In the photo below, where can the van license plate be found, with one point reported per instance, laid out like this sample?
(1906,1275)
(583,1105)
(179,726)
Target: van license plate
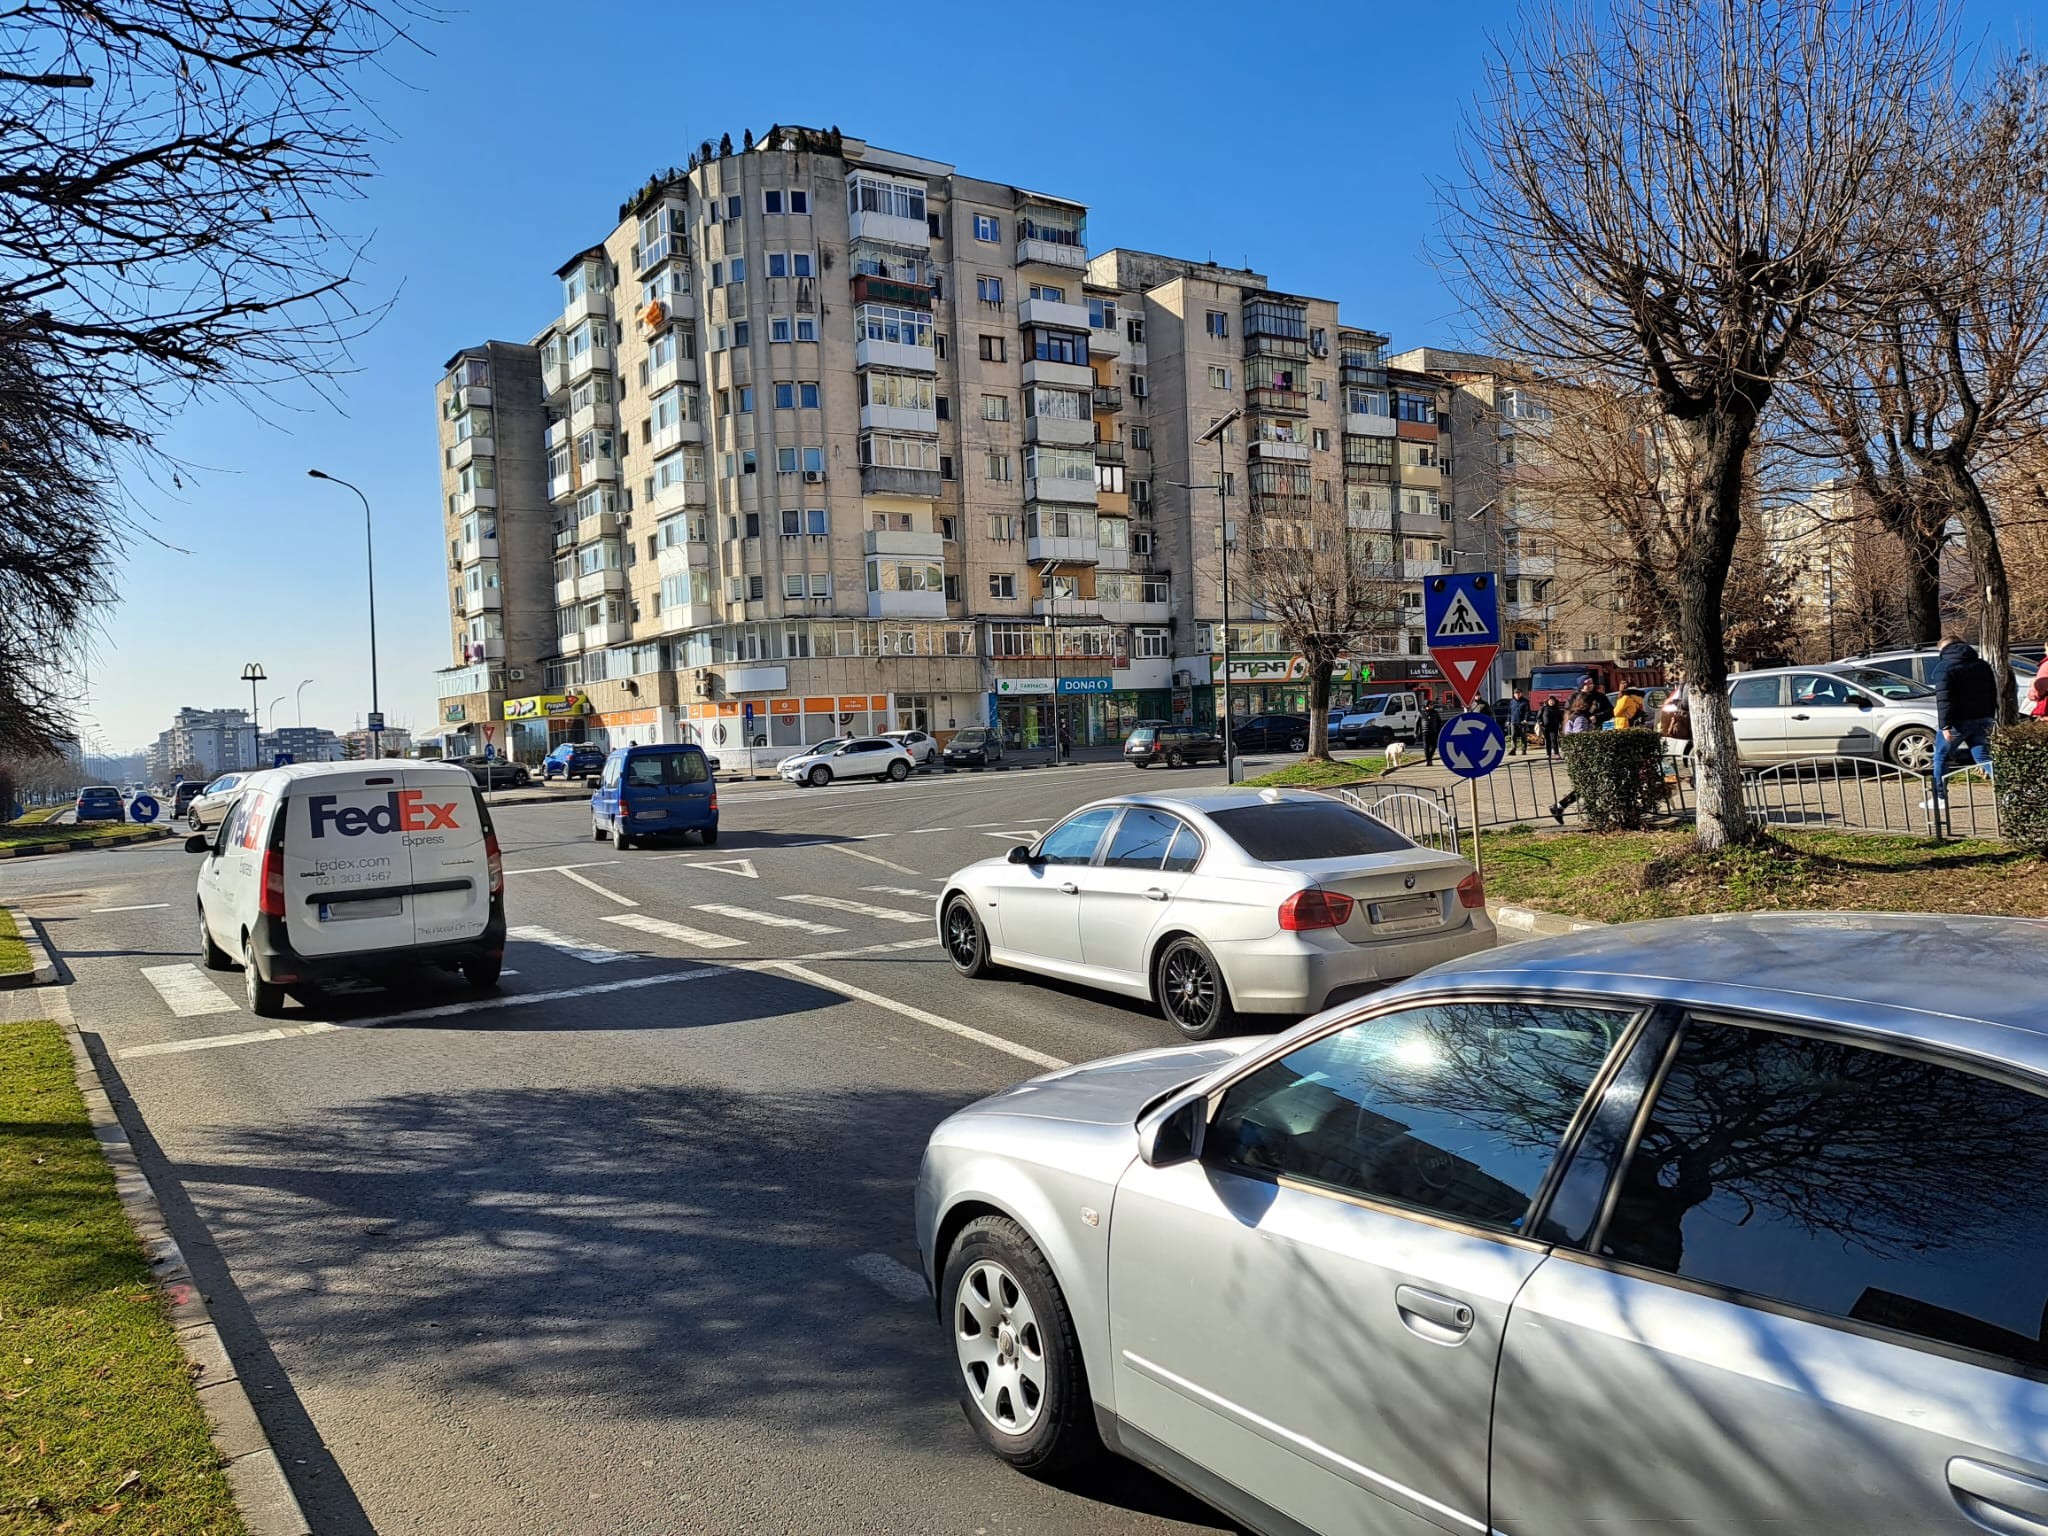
(1405,908)
(349,911)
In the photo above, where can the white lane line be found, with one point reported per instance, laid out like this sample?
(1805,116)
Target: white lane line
(575,949)
(641,923)
(585,880)
(871,949)
(862,909)
(144,906)
(1015,834)
(936,1021)
(561,869)
(921,831)
(855,853)
(215,1042)
(187,990)
(869,837)
(900,890)
(766,919)
(892,1275)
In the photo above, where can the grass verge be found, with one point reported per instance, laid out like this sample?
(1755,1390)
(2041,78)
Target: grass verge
(100,1431)
(40,814)
(1628,876)
(13,953)
(16,834)
(1316,773)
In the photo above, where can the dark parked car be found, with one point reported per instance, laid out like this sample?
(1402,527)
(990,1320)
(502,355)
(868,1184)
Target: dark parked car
(573,760)
(1272,733)
(1173,745)
(183,796)
(496,773)
(975,747)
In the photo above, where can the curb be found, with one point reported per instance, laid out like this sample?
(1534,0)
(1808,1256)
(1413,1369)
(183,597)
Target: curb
(255,1476)
(32,850)
(42,970)
(1538,924)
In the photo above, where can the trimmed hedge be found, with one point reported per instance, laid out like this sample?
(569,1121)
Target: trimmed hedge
(2019,770)
(1617,775)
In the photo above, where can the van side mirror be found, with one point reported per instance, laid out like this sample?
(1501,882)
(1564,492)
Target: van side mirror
(1172,1133)
(1021,854)
(199,842)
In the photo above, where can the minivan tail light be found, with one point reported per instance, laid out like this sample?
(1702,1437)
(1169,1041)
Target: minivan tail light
(714,800)
(271,902)
(495,863)
(1315,908)
(1472,890)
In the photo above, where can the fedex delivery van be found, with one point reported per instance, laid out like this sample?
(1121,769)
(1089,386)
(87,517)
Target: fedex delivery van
(328,871)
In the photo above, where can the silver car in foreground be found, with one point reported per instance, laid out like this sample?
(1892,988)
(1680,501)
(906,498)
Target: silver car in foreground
(1217,903)
(1719,1225)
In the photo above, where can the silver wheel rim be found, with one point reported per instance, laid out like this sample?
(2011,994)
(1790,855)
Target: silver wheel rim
(819,775)
(962,942)
(1188,986)
(1916,753)
(1002,1352)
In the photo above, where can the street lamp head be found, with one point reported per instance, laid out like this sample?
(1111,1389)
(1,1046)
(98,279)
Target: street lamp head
(1216,427)
(319,474)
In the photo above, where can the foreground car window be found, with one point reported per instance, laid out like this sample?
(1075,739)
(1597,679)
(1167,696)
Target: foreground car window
(1073,841)
(1306,829)
(1456,1110)
(1867,1186)
(1141,840)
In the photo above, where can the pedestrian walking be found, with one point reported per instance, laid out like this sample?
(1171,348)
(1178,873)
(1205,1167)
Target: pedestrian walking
(1674,720)
(1432,723)
(1965,709)
(1552,719)
(1628,709)
(1518,723)
(2036,702)
(1588,711)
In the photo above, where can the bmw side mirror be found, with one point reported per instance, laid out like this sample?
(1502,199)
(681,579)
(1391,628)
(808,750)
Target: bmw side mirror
(1172,1133)
(199,842)
(1021,854)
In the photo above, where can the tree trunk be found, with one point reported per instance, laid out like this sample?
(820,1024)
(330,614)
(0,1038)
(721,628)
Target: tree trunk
(1320,671)
(1987,566)
(1719,449)
(1923,581)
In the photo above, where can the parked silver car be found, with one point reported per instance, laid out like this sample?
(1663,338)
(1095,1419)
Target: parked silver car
(1832,711)
(1217,903)
(210,807)
(1723,1225)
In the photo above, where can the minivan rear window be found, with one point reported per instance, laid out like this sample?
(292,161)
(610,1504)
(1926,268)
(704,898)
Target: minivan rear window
(1306,829)
(649,770)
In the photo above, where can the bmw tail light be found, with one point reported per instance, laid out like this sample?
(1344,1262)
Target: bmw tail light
(495,862)
(271,902)
(1472,891)
(1315,908)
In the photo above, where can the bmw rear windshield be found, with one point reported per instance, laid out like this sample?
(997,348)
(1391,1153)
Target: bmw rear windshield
(1290,830)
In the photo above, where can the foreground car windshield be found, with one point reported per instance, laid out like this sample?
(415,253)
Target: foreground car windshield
(1306,829)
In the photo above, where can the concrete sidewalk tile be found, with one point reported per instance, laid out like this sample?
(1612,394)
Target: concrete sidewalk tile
(264,1496)
(208,1355)
(236,1430)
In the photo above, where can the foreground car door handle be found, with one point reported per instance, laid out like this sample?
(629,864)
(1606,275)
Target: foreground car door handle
(1155,893)
(1437,1318)
(1994,1497)
(1070,888)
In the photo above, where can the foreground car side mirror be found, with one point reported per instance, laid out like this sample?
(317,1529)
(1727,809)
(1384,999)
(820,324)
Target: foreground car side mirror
(1021,854)
(1172,1133)
(199,842)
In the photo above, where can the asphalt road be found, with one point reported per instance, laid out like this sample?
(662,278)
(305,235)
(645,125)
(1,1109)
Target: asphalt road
(628,1248)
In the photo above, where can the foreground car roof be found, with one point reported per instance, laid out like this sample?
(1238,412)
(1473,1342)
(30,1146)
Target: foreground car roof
(1969,983)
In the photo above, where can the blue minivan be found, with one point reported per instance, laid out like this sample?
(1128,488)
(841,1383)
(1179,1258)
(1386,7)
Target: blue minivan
(648,792)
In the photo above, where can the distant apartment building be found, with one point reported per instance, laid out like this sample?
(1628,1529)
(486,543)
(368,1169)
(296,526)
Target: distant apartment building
(829,438)
(392,741)
(305,743)
(203,743)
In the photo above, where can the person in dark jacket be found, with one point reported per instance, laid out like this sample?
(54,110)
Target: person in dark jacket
(1519,720)
(1432,723)
(1551,718)
(1965,709)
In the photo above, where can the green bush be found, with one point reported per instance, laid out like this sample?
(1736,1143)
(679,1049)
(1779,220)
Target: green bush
(1616,774)
(2019,768)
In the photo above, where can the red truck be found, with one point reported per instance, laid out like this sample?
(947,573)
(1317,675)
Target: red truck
(1561,679)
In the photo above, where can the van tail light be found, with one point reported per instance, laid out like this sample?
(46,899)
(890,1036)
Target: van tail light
(714,800)
(1315,908)
(1472,890)
(495,862)
(271,903)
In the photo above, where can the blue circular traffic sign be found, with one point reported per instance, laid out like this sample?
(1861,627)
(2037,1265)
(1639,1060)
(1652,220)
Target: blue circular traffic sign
(1471,745)
(143,808)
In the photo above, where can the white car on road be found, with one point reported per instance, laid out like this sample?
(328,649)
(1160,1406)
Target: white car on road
(211,805)
(922,746)
(864,757)
(1218,903)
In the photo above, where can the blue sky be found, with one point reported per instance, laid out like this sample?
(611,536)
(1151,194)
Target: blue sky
(1309,151)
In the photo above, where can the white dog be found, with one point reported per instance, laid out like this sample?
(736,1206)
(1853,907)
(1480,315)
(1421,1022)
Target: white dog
(1395,750)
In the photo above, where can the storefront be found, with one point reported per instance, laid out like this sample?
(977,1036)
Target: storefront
(1094,711)
(540,722)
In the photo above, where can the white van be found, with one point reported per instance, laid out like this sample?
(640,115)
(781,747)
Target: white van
(326,871)
(1379,719)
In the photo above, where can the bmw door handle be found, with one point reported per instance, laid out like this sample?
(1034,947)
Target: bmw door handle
(1996,1498)
(1070,888)
(1429,1315)
(1802,717)
(1155,893)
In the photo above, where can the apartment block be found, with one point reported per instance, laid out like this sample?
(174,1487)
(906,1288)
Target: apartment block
(203,743)
(830,438)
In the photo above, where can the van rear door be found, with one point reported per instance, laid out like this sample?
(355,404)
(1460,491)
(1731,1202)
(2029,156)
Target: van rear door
(347,867)
(451,875)
(664,789)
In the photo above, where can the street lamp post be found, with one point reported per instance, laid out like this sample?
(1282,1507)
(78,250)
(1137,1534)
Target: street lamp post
(300,691)
(252,674)
(370,564)
(1215,434)
(1052,628)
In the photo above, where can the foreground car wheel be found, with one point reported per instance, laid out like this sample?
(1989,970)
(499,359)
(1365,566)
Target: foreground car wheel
(216,958)
(1190,989)
(1297,743)
(1022,1384)
(966,944)
(265,999)
(1176,760)
(481,971)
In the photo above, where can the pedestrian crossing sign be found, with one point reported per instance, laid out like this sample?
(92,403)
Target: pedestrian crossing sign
(1461,623)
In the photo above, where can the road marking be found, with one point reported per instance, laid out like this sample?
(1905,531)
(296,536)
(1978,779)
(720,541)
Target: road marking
(560,869)
(855,853)
(862,909)
(188,992)
(871,949)
(900,890)
(641,923)
(576,949)
(215,1042)
(936,1021)
(146,906)
(766,919)
(920,831)
(869,837)
(1015,834)
(744,867)
(892,1275)
(586,881)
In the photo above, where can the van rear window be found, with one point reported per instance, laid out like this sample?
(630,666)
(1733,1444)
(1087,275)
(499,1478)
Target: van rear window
(651,770)
(1556,677)
(1306,829)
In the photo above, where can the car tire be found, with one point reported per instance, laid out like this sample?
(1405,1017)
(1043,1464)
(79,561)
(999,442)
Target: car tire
(965,939)
(481,971)
(1912,749)
(211,954)
(1176,760)
(819,777)
(620,839)
(997,1287)
(597,832)
(899,770)
(1189,987)
(1297,743)
(265,998)
(708,836)
(193,821)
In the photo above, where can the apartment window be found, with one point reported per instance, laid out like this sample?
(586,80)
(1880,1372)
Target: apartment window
(899,391)
(1002,585)
(888,322)
(742,333)
(745,395)
(821,586)
(946,467)
(1419,455)
(1102,314)
(995,407)
(732,207)
(942,408)
(1319,388)
(998,466)
(887,450)
(756,589)
(785,461)
(1059,404)
(1219,378)
(806,328)
(1002,527)
(1319,439)
(1229,482)
(949,528)
(807,396)
(1139,389)
(939,341)
(1141,543)
(993,350)
(771,201)
(739,269)
(1044,463)
(1141,439)
(753,525)
(1365,402)
(799,202)
(1110,478)
(778,328)
(1150,643)
(1413,407)
(749,463)
(1141,492)
(800,264)
(778,264)
(989,290)
(1218,323)
(987,227)
(785,397)
(1135,330)
(1050,295)
(814,461)
(1050,346)
(793,586)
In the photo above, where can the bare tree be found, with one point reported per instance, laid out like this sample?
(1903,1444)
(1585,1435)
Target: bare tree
(1672,200)
(166,168)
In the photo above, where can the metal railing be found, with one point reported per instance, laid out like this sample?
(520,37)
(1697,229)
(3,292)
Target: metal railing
(1420,815)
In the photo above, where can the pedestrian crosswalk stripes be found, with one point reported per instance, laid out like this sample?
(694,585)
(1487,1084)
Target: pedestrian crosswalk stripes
(766,919)
(640,922)
(900,890)
(862,909)
(187,990)
(575,949)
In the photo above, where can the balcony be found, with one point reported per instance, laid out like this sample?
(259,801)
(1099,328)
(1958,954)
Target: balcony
(1113,557)
(479,548)
(1065,375)
(599,472)
(470,448)
(565,538)
(1294,348)
(1358,425)
(676,309)
(596,583)
(888,480)
(565,591)
(482,600)
(675,559)
(589,304)
(1055,313)
(554,371)
(1109,451)
(592,413)
(484,650)
(594,357)
(1066,607)
(1076,550)
(1370,519)
(1059,488)
(1423,570)
(906,605)
(1108,397)
(922,546)
(867,287)
(1140,612)
(598,525)
(904,356)
(1368,474)
(1518,564)
(1276,448)
(1422,477)
(1055,431)
(896,418)
(1367,374)
(1416,431)
(889,229)
(1052,253)
(570,644)
(1105,341)
(651,255)
(674,435)
(597,636)
(471,397)
(561,485)
(1284,402)
(679,494)
(690,615)
(470,500)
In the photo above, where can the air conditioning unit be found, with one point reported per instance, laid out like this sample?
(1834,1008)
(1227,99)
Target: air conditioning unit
(1182,678)
(515,674)
(814,477)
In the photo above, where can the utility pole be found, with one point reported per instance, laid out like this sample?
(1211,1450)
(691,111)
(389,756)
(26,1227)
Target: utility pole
(1215,434)
(370,563)
(1052,629)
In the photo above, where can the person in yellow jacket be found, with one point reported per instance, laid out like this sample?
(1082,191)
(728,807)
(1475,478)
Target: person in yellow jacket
(1628,709)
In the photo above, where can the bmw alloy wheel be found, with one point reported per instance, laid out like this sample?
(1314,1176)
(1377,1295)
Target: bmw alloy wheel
(1001,1351)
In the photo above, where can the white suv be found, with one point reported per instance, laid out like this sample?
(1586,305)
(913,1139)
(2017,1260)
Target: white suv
(864,757)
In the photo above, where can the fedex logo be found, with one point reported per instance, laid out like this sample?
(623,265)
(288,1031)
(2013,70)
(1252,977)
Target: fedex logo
(402,811)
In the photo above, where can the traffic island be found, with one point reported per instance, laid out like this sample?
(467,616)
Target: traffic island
(18,841)
(24,959)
